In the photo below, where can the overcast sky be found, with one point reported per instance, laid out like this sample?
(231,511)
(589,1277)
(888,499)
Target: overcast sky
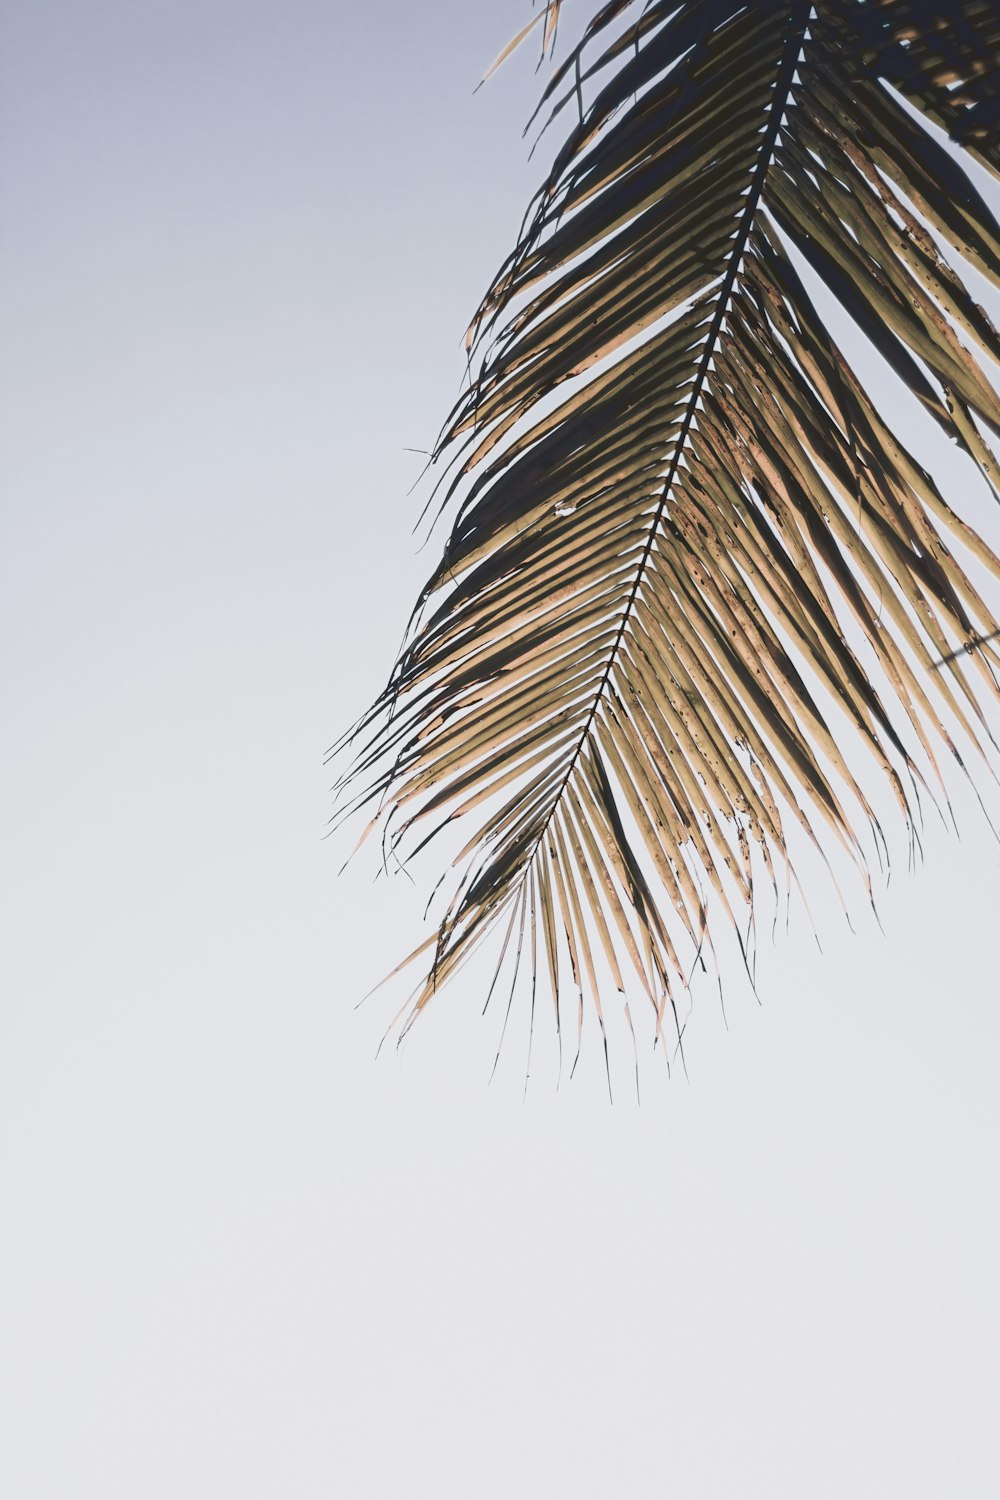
(238,1256)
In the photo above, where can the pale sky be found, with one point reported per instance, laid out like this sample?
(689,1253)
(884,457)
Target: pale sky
(238,1256)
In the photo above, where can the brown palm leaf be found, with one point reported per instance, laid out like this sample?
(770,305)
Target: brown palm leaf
(682,521)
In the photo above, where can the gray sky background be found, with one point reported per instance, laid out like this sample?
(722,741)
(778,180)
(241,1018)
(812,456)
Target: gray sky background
(240,245)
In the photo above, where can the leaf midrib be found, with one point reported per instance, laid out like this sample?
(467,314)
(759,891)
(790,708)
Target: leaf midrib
(799,17)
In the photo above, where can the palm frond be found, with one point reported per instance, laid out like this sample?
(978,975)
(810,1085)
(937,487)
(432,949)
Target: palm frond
(681,520)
